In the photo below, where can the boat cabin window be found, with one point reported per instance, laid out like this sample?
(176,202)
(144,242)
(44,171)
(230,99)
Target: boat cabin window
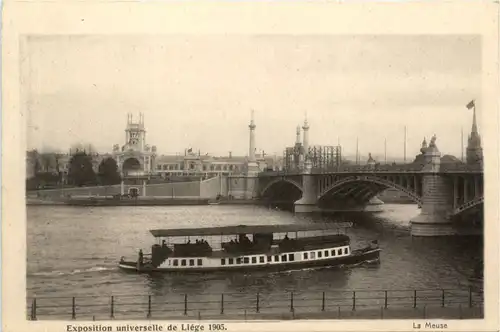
(254,260)
(238,260)
(246,260)
(283,258)
(276,258)
(346,251)
(222,261)
(313,255)
(261,259)
(200,262)
(183,262)
(176,262)
(339,251)
(269,258)
(326,253)
(333,252)
(191,262)
(320,254)
(231,261)
(305,255)
(291,257)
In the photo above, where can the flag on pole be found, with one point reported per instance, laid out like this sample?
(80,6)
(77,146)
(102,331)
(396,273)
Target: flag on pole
(470,105)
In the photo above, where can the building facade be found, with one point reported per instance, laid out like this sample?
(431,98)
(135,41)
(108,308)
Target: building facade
(135,158)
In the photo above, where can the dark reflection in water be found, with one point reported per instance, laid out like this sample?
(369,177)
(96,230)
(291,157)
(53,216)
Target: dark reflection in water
(73,252)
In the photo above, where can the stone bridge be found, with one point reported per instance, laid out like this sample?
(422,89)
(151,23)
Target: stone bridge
(445,193)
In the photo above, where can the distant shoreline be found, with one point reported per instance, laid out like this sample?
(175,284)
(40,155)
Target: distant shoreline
(161,201)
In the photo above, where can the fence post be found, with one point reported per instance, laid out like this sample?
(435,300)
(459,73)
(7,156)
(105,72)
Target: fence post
(149,306)
(73,309)
(470,297)
(112,314)
(33,309)
(185,304)
(353,300)
(291,301)
(442,298)
(323,302)
(385,300)
(222,304)
(257,304)
(415,298)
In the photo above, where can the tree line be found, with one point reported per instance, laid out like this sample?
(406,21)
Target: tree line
(47,172)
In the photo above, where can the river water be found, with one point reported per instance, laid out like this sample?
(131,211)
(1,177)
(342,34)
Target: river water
(73,251)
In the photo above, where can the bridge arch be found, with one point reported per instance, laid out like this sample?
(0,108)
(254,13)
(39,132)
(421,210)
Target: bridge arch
(342,183)
(280,181)
(468,206)
(131,164)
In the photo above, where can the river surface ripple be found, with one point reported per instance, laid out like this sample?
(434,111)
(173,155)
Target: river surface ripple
(73,251)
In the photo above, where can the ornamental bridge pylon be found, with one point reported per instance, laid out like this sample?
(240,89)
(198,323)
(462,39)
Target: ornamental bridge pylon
(447,193)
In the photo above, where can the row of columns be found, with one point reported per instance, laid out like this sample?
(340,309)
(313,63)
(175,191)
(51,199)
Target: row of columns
(464,193)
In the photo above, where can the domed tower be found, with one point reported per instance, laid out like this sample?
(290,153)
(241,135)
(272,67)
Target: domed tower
(424,146)
(432,157)
(135,159)
(371,162)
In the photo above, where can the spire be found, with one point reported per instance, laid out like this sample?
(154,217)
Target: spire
(305,141)
(474,123)
(474,151)
(297,135)
(306,124)
(252,123)
(251,152)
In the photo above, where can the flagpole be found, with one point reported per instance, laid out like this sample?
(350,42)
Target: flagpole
(357,150)
(405,146)
(462,144)
(385,150)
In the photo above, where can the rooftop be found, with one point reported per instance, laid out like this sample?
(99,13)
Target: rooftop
(246,229)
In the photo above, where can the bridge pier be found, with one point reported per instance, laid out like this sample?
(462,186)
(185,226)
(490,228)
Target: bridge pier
(308,202)
(436,202)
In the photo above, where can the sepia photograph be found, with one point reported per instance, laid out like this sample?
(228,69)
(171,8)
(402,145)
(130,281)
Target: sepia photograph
(229,177)
(150,189)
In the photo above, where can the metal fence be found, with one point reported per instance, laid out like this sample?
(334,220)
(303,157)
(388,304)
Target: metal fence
(239,304)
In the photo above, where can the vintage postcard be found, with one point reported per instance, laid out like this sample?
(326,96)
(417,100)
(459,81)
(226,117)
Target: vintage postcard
(250,166)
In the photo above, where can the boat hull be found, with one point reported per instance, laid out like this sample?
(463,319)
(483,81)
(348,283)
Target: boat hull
(367,255)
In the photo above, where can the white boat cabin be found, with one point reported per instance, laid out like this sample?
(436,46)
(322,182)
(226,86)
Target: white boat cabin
(239,246)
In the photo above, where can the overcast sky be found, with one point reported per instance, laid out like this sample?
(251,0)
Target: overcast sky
(198,91)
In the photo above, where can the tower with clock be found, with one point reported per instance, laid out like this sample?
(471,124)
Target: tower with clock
(135,159)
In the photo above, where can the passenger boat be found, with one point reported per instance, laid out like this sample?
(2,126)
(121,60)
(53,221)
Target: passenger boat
(243,248)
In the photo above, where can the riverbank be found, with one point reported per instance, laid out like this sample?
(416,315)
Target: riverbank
(139,201)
